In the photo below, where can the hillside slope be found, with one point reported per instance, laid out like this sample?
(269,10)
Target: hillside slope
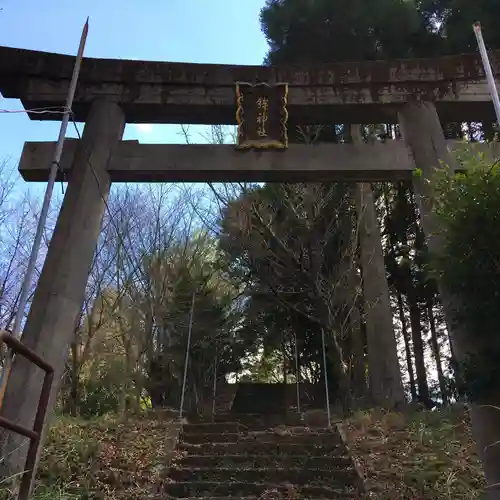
(106,458)
(419,455)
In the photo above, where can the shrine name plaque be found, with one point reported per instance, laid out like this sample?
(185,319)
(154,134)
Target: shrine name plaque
(261,115)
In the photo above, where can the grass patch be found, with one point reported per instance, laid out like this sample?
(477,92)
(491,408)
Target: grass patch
(419,455)
(105,458)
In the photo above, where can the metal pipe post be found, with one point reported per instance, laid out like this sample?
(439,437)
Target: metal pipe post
(487,69)
(215,385)
(186,361)
(23,299)
(297,375)
(326,379)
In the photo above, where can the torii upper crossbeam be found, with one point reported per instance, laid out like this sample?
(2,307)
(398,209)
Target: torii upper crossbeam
(166,92)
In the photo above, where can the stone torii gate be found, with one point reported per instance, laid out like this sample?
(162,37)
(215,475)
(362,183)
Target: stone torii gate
(417,94)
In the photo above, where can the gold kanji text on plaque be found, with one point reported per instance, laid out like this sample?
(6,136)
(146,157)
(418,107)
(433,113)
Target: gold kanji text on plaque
(262,115)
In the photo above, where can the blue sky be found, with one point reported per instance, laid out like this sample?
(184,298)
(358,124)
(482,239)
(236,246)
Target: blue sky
(201,31)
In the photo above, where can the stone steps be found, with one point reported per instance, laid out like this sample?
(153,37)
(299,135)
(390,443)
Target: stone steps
(308,439)
(213,427)
(255,420)
(259,461)
(294,425)
(297,476)
(254,457)
(205,489)
(259,448)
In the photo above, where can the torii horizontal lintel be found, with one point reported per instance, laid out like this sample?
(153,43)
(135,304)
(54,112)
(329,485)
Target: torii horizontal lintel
(135,162)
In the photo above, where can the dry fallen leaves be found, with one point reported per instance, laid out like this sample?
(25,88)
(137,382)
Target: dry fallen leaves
(420,455)
(108,458)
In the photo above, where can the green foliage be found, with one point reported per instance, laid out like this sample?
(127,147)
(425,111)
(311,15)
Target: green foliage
(290,245)
(344,30)
(101,393)
(264,367)
(467,206)
(184,270)
(455,18)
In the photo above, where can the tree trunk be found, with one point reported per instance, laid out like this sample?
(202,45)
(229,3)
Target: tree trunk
(418,348)
(385,376)
(406,338)
(437,354)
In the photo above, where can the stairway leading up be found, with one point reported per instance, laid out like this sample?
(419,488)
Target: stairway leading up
(253,457)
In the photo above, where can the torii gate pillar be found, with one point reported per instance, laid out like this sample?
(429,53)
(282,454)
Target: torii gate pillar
(60,292)
(424,135)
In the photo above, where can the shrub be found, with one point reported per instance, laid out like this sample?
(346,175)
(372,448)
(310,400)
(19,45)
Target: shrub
(467,206)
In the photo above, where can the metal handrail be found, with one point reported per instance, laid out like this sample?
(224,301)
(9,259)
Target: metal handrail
(35,434)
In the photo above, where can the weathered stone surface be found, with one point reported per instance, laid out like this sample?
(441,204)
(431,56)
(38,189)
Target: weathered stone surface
(312,438)
(60,66)
(262,448)
(134,162)
(164,92)
(61,288)
(307,464)
(257,461)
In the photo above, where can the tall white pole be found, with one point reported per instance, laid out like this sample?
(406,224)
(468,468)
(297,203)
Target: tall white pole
(327,395)
(23,299)
(297,376)
(186,360)
(487,69)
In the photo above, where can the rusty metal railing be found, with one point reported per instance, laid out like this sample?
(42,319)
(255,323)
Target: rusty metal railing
(35,434)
